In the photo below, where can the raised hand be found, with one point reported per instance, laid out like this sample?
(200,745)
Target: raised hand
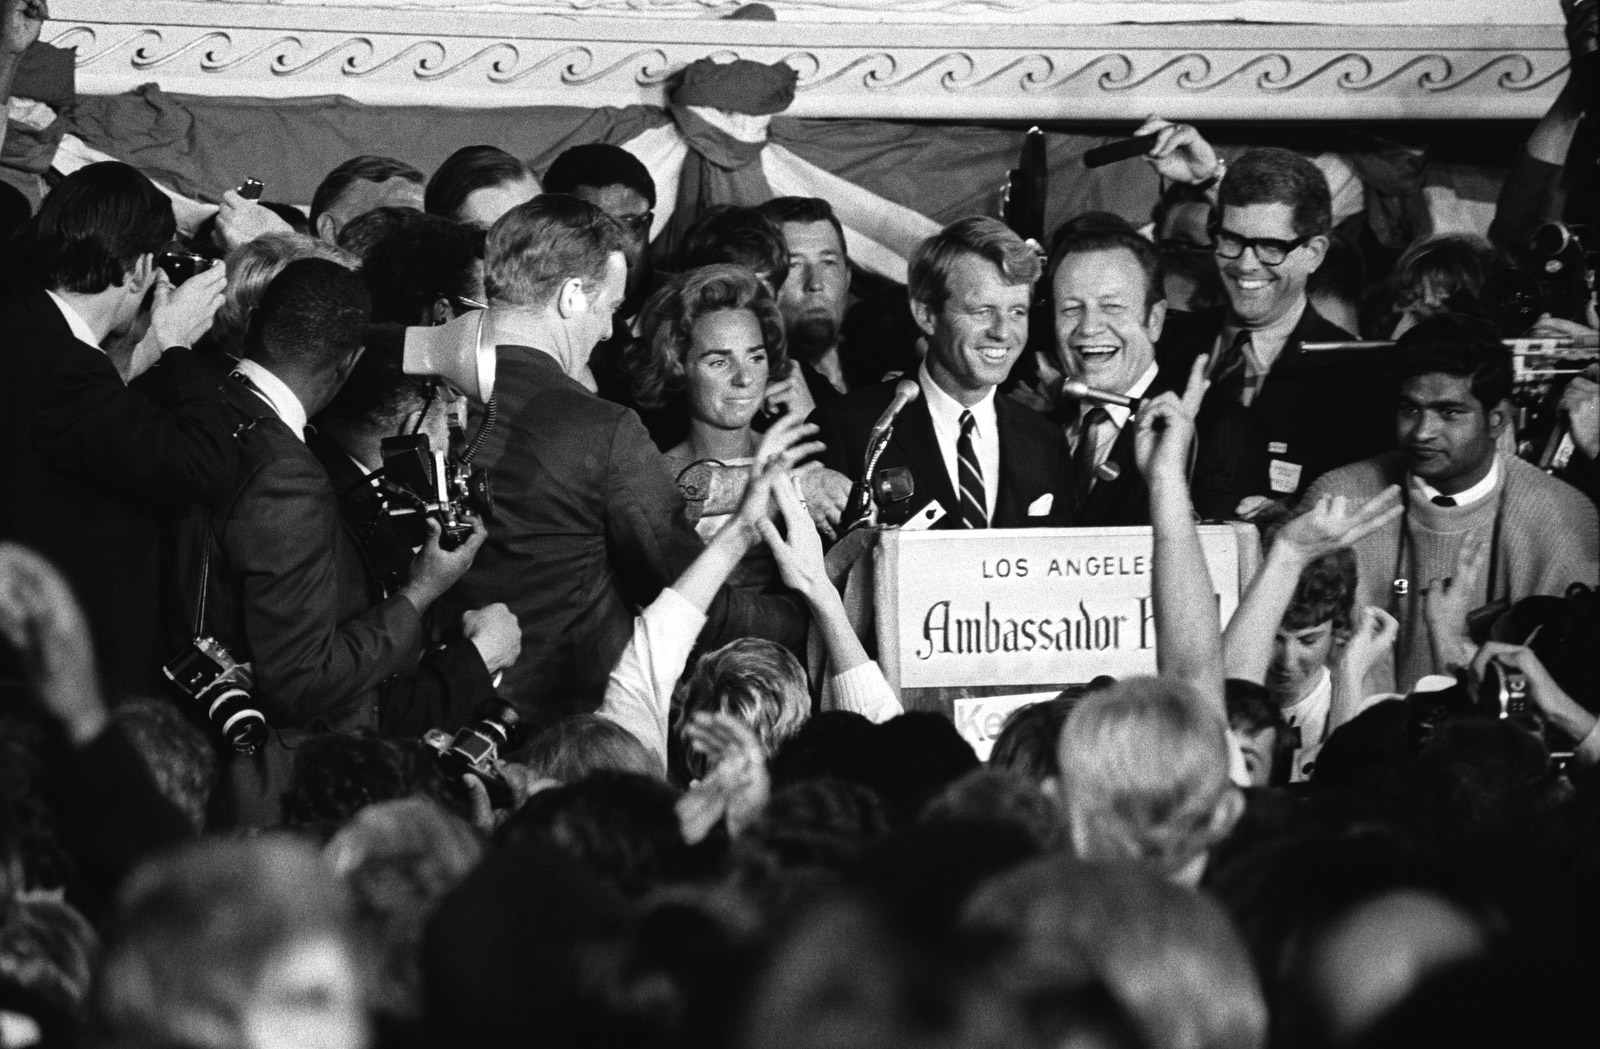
(1446,602)
(787,439)
(1166,428)
(436,569)
(493,630)
(798,549)
(1558,707)
(1335,522)
(790,396)
(20,22)
(1181,153)
(239,221)
(1372,637)
(824,493)
(179,316)
(736,785)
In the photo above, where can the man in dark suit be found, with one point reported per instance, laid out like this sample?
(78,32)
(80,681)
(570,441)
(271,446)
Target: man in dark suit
(589,523)
(93,465)
(976,460)
(288,588)
(1107,294)
(461,653)
(1270,227)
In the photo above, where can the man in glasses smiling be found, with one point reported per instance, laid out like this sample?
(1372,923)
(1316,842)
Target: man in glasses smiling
(1269,233)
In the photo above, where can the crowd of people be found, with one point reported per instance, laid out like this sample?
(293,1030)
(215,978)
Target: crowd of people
(425,618)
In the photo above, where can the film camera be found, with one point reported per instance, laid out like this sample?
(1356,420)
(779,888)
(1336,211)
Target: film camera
(475,749)
(421,481)
(1552,277)
(179,266)
(207,673)
(1503,692)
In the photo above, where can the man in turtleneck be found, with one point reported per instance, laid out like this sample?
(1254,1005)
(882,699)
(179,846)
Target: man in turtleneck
(1478,526)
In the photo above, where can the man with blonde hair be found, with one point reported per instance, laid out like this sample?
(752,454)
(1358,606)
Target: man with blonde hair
(976,460)
(1145,776)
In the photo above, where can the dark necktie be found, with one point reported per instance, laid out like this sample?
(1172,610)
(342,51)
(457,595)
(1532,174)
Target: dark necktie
(1229,377)
(1443,500)
(973,513)
(1086,456)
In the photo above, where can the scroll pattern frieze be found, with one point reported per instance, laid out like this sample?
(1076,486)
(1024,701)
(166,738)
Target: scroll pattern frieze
(913,78)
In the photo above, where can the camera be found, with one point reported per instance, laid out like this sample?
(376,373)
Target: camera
(251,189)
(179,266)
(207,673)
(475,749)
(1503,692)
(1551,277)
(420,481)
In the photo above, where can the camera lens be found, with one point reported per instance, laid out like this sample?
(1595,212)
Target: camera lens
(241,725)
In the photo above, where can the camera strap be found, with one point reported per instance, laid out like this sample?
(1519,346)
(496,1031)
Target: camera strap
(205,572)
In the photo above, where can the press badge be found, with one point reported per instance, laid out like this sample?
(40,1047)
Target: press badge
(1284,476)
(924,518)
(1277,448)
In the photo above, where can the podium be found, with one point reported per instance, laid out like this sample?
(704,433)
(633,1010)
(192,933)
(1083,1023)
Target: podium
(1008,616)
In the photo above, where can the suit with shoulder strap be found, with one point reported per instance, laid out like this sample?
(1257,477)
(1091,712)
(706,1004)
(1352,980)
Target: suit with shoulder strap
(1034,488)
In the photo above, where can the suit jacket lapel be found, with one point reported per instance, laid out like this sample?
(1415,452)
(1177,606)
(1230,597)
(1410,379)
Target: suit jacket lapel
(914,437)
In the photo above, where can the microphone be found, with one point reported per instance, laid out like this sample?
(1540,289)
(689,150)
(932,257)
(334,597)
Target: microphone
(1082,391)
(905,391)
(1122,149)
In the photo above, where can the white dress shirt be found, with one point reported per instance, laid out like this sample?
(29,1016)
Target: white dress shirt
(946,413)
(1471,495)
(80,327)
(276,393)
(1266,344)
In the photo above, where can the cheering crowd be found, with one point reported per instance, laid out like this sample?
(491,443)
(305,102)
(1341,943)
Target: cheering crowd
(426,617)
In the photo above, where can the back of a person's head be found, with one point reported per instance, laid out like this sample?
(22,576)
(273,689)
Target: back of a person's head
(755,680)
(410,260)
(584,744)
(832,744)
(1169,954)
(808,837)
(251,267)
(998,795)
(95,225)
(739,235)
(1461,346)
(1145,774)
(1273,175)
(1490,776)
(914,756)
(596,165)
(312,317)
(196,931)
(537,247)
(398,858)
(466,171)
(1027,741)
(337,774)
(623,825)
(366,168)
(179,756)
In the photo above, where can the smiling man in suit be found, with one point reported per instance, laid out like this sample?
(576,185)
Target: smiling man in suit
(1109,304)
(977,460)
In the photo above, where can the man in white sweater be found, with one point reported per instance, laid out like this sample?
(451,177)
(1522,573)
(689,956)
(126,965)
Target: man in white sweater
(1478,526)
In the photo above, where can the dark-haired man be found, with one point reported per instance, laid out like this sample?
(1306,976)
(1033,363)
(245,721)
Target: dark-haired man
(92,464)
(589,522)
(1108,295)
(359,185)
(817,290)
(1531,534)
(618,183)
(977,460)
(288,590)
(1269,234)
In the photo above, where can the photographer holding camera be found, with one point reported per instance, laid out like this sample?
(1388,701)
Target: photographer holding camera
(96,462)
(288,590)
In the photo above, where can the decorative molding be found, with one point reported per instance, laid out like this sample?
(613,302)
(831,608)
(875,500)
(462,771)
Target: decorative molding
(1122,72)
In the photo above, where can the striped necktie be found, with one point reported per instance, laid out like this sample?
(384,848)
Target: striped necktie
(973,513)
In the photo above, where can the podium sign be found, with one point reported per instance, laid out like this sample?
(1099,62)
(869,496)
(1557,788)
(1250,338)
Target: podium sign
(1028,606)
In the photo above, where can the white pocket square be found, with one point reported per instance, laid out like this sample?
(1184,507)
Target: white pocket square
(1041,506)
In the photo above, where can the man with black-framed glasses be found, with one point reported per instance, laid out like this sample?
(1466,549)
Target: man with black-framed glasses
(1269,233)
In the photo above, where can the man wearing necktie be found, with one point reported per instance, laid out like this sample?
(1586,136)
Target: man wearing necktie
(1270,229)
(976,460)
(1109,305)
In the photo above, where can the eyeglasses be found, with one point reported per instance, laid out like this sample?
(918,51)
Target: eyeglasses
(638,225)
(1269,250)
